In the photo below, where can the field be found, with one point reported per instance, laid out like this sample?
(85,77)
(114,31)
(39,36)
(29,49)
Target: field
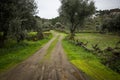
(103,41)
(14,53)
(86,61)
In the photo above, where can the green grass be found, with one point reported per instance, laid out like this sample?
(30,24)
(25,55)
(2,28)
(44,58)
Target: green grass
(88,63)
(14,54)
(104,41)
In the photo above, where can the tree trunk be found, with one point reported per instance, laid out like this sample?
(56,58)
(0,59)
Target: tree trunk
(72,34)
(40,35)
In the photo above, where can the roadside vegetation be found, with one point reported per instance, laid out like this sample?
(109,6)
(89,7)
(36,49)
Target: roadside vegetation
(88,63)
(105,47)
(21,31)
(101,30)
(15,53)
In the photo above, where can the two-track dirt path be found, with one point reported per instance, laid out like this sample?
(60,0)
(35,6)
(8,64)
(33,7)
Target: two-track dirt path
(57,67)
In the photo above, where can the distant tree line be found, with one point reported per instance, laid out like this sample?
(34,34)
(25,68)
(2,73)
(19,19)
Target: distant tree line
(103,12)
(111,24)
(110,20)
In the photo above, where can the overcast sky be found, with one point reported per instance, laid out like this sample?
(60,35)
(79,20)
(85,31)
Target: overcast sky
(49,8)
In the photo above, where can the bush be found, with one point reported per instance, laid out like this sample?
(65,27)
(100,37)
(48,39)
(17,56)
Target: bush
(32,36)
(46,34)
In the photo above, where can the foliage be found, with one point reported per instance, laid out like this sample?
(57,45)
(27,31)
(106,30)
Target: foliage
(32,36)
(110,20)
(112,24)
(75,11)
(107,12)
(46,34)
(54,20)
(106,47)
(59,26)
(16,18)
(46,26)
(89,25)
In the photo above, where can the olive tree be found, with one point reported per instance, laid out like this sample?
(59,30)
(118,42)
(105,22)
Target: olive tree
(111,24)
(16,16)
(75,11)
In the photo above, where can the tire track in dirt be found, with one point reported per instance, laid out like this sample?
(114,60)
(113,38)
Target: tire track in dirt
(57,67)
(26,69)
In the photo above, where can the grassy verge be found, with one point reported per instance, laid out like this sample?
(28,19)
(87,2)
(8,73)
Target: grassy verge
(13,55)
(88,63)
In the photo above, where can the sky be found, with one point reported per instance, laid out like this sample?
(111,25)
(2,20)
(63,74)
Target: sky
(49,8)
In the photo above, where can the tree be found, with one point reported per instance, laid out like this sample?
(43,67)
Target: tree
(75,11)
(58,25)
(38,28)
(54,20)
(111,24)
(16,16)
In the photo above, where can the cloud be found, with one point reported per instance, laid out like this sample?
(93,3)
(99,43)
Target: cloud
(48,8)
(107,4)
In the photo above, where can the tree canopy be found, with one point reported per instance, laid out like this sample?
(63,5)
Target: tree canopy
(16,16)
(75,11)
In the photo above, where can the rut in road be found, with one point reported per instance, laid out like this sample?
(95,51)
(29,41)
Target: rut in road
(57,67)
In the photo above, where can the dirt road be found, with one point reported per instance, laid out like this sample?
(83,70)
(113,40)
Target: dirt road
(57,67)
